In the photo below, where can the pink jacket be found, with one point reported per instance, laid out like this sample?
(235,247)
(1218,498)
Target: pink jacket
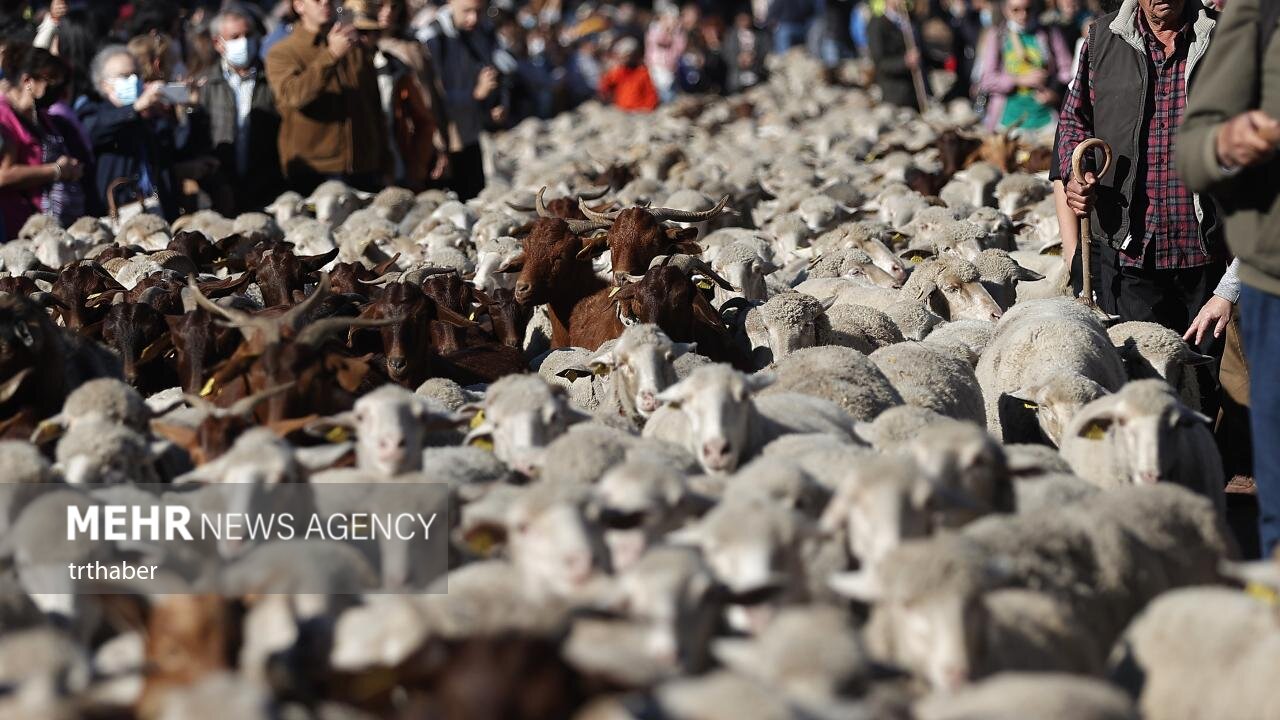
(17,205)
(998,84)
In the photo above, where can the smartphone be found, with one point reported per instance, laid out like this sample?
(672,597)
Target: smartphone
(176,93)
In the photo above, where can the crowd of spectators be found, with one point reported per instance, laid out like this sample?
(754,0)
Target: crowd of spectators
(169,106)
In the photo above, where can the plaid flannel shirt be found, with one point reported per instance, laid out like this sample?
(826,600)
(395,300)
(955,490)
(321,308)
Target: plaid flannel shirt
(1163,214)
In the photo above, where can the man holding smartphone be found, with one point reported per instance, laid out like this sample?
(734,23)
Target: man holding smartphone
(475,73)
(326,90)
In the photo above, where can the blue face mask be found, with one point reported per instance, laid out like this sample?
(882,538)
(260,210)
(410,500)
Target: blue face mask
(126,89)
(240,51)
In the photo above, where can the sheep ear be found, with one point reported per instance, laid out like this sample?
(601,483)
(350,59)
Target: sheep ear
(603,364)
(321,457)
(1027,394)
(688,536)
(485,539)
(679,349)
(13,384)
(761,380)
(1053,248)
(827,304)
(49,430)
(924,290)
(513,264)
(737,654)
(859,585)
(915,256)
(1096,428)
(576,372)
(1192,358)
(674,395)
(335,428)
(1026,274)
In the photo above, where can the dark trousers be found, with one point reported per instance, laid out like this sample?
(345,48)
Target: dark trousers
(1171,298)
(466,168)
(1260,326)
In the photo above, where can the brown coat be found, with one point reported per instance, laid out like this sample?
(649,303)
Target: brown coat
(330,117)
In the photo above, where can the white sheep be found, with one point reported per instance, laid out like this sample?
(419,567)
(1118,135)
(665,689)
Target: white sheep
(841,375)
(1047,696)
(1144,434)
(522,414)
(637,368)
(932,377)
(1151,350)
(390,425)
(724,423)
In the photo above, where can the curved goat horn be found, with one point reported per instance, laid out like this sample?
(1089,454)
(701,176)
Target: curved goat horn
(521,208)
(245,405)
(236,317)
(314,333)
(540,203)
(594,216)
(578,227)
(594,194)
(661,214)
(299,311)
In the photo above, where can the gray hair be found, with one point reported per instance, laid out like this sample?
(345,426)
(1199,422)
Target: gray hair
(228,12)
(99,64)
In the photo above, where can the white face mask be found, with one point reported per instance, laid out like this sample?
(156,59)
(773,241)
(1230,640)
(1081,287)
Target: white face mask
(126,90)
(1016,27)
(237,52)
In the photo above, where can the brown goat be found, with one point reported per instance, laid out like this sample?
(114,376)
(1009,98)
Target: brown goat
(639,235)
(555,269)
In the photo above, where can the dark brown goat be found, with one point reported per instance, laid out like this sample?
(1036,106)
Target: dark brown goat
(289,348)
(77,283)
(280,274)
(220,427)
(40,364)
(639,235)
(555,268)
(137,332)
(199,345)
(562,207)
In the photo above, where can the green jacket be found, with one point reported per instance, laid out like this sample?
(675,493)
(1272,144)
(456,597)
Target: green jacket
(1232,81)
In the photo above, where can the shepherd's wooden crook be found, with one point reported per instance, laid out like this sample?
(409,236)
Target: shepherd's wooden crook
(1086,239)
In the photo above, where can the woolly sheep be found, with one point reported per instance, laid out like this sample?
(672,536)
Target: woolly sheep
(1200,652)
(1001,275)
(491,257)
(787,322)
(1022,352)
(858,327)
(639,366)
(1014,696)
(932,378)
(972,336)
(636,503)
(522,415)
(333,202)
(1141,435)
(974,185)
(951,286)
(952,236)
(843,376)
(1150,350)
(937,613)
(914,320)
(148,232)
(967,463)
(447,393)
(570,369)
(107,399)
(898,425)
(727,424)
(98,451)
(1056,398)
(390,424)
(582,454)
(742,264)
(1019,191)
(393,203)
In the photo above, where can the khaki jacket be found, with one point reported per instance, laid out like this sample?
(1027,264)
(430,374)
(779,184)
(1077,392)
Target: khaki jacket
(330,115)
(1237,77)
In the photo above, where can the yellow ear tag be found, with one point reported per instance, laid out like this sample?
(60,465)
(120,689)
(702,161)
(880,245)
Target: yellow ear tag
(614,291)
(917,259)
(477,419)
(1095,432)
(1030,406)
(1262,593)
(704,284)
(600,370)
(481,541)
(472,316)
(207,390)
(337,435)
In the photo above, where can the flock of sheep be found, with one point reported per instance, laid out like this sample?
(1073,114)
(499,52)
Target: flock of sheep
(925,482)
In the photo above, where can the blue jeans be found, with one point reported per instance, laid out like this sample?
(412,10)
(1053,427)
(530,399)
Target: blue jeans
(1260,335)
(788,35)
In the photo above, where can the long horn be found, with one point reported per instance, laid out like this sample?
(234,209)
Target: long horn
(245,405)
(540,203)
(299,311)
(314,333)
(521,208)
(578,227)
(661,214)
(688,264)
(237,317)
(393,276)
(594,194)
(594,216)
(149,294)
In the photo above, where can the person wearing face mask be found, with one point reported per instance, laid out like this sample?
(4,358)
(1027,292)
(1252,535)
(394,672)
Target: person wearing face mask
(131,128)
(1024,69)
(37,173)
(243,123)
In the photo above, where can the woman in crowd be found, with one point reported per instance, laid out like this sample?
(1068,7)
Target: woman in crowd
(131,129)
(1024,69)
(37,173)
